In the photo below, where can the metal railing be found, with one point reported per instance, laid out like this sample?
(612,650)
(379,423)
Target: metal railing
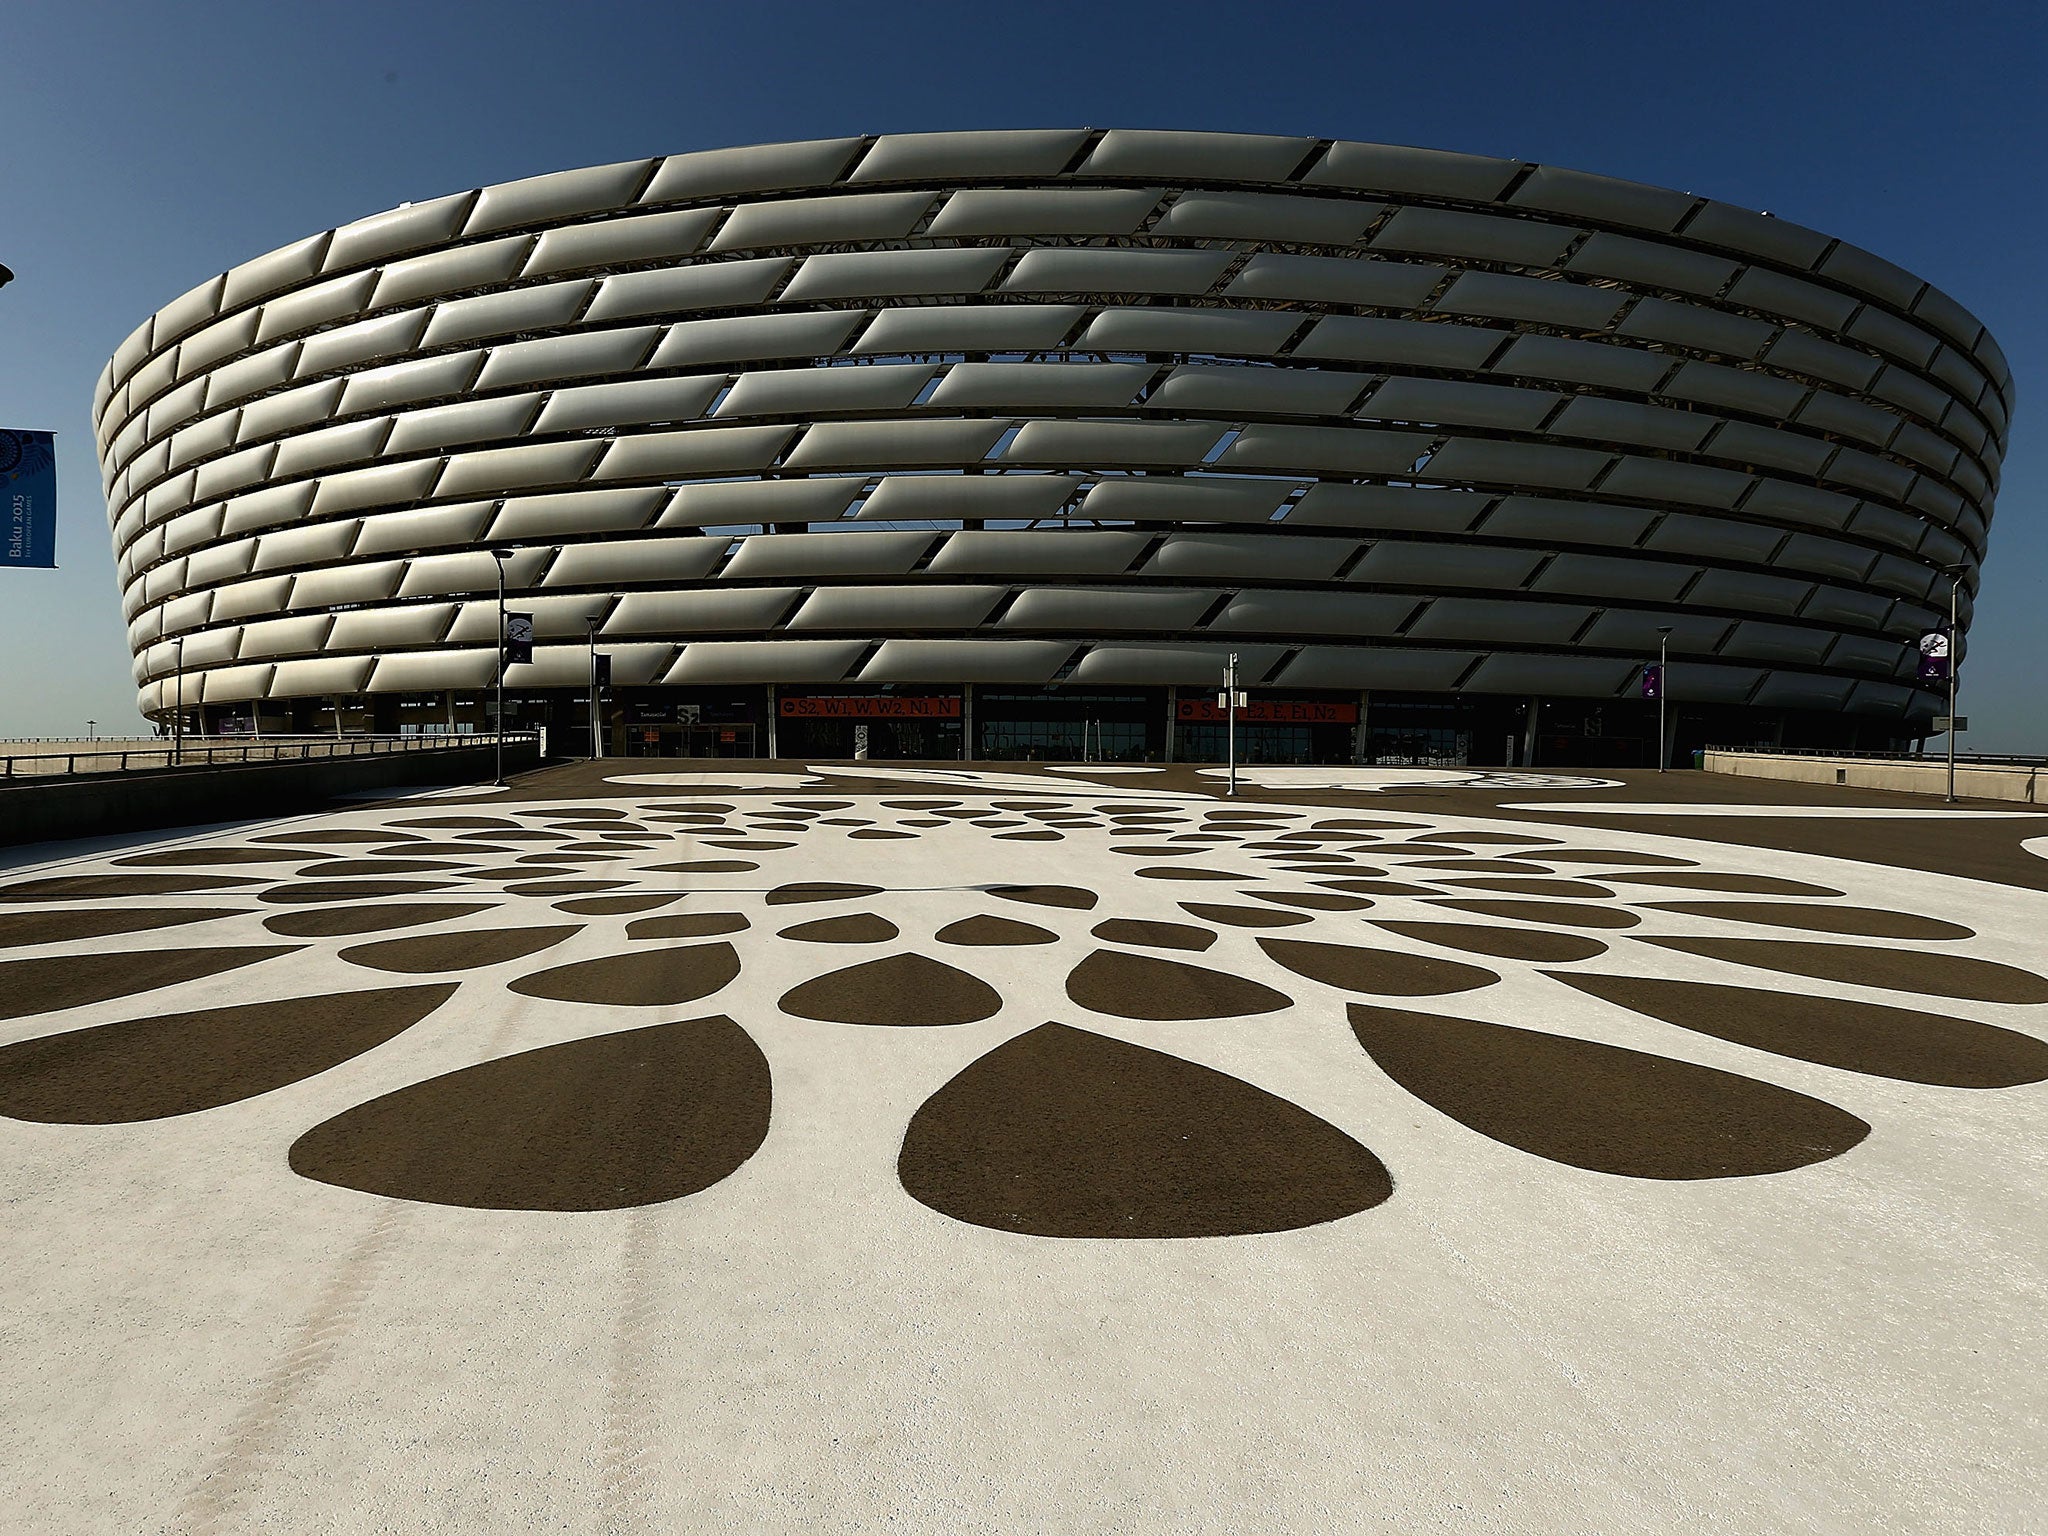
(1853,754)
(203,754)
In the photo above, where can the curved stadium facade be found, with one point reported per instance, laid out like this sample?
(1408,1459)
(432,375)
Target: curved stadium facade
(996,444)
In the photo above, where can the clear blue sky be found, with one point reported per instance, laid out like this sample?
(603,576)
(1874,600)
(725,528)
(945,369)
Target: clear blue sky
(149,146)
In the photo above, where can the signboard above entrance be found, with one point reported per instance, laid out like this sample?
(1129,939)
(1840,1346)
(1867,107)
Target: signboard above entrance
(874,707)
(1270,712)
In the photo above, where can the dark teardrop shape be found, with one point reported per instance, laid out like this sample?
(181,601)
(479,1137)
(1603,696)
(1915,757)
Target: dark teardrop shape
(180,1063)
(1507,943)
(1901,1043)
(61,927)
(982,930)
(618,1120)
(464,950)
(1384,972)
(1864,965)
(1128,986)
(51,982)
(339,922)
(644,978)
(899,990)
(1065,1133)
(1601,1107)
(854,928)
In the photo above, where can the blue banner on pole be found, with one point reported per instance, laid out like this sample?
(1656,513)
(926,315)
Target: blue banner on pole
(28,499)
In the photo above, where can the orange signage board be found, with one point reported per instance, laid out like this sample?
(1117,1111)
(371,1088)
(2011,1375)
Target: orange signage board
(1270,712)
(878,707)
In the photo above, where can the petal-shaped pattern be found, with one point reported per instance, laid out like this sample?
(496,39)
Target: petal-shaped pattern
(644,978)
(1129,986)
(1901,1043)
(1864,965)
(1155,935)
(339,922)
(902,990)
(1820,917)
(1715,880)
(686,925)
(465,950)
(626,1119)
(74,887)
(348,890)
(1243,917)
(1047,895)
(612,906)
(59,926)
(1508,943)
(1065,1133)
(818,890)
(1563,914)
(51,982)
(854,928)
(1385,972)
(180,1063)
(986,930)
(1601,1107)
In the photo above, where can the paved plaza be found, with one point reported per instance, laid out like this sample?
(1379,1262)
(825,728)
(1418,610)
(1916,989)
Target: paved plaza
(763,1147)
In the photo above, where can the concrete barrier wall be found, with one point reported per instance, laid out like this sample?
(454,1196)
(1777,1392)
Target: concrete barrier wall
(86,806)
(1974,781)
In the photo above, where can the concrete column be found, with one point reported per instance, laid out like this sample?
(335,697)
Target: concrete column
(772,717)
(1529,733)
(1172,709)
(1361,736)
(966,722)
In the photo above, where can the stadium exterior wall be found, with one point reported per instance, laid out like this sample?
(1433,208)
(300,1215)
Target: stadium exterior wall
(987,443)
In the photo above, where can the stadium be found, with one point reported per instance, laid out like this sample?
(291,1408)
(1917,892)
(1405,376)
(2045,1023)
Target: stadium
(997,445)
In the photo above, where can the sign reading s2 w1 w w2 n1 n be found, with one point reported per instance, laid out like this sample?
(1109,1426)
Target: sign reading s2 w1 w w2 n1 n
(28,499)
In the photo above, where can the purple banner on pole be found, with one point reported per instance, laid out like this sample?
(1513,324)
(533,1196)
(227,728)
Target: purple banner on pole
(1935,656)
(1653,682)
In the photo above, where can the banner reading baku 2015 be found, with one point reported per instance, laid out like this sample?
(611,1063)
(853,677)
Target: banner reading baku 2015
(28,498)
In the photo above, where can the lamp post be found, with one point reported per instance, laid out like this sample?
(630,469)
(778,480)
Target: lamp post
(178,715)
(1955,582)
(1663,689)
(1230,718)
(590,630)
(499,557)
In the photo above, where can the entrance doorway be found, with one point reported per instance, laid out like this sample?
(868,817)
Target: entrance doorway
(928,740)
(663,740)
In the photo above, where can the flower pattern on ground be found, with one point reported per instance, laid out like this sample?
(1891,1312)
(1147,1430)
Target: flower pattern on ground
(1091,932)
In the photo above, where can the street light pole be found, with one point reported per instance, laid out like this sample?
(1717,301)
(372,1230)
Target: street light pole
(1230,717)
(178,716)
(1955,582)
(499,557)
(590,630)
(1663,689)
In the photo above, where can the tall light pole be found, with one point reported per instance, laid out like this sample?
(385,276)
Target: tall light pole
(590,629)
(178,716)
(1663,689)
(1230,718)
(499,557)
(1955,582)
